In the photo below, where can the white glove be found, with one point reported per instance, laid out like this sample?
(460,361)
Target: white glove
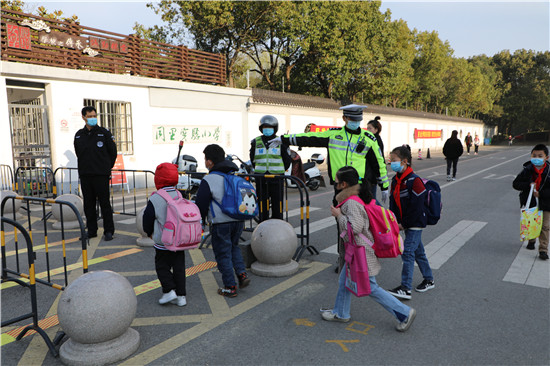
(385,196)
(275,142)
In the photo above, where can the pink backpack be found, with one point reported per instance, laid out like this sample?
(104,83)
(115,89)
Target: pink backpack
(384,228)
(182,229)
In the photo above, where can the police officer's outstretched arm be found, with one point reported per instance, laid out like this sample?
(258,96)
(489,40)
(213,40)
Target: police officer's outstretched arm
(308,139)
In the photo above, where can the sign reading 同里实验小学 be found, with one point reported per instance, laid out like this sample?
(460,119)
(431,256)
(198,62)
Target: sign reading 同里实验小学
(169,134)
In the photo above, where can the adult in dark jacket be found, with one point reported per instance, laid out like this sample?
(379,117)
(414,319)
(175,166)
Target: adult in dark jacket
(452,150)
(96,153)
(536,172)
(375,127)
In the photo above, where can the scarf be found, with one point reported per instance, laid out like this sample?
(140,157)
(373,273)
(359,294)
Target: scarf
(396,192)
(538,173)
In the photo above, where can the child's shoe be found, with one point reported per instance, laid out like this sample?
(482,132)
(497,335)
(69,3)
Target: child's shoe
(167,297)
(531,244)
(543,255)
(228,291)
(243,279)
(179,301)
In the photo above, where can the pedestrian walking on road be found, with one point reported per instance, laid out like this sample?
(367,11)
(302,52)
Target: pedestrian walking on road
(169,265)
(347,179)
(452,150)
(468,142)
(225,230)
(96,153)
(409,207)
(476,144)
(535,172)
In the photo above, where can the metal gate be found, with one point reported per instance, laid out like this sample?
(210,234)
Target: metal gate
(30,135)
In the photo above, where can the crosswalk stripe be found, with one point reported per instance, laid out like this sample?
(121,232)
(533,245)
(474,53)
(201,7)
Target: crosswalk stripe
(527,269)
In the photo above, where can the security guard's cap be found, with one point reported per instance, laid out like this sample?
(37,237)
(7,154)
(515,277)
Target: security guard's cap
(353,111)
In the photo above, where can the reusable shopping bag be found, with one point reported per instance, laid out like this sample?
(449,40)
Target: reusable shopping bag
(530,219)
(357,274)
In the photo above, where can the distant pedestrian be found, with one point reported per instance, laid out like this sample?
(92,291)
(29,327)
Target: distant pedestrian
(510,140)
(96,153)
(535,172)
(375,127)
(169,265)
(468,142)
(409,207)
(347,180)
(452,150)
(476,144)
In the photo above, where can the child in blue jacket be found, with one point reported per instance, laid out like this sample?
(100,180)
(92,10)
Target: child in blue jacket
(410,210)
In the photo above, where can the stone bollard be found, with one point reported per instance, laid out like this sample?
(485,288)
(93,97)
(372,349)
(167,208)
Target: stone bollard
(69,217)
(95,312)
(273,243)
(8,207)
(144,241)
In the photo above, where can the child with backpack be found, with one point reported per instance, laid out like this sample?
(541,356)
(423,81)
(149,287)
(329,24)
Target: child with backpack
(351,209)
(169,264)
(408,202)
(535,172)
(225,229)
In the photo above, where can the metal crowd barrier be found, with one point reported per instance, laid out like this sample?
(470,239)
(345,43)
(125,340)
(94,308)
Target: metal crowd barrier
(6,178)
(30,279)
(35,181)
(67,181)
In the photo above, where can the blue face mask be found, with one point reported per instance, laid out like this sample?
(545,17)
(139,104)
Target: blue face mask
(537,161)
(268,131)
(396,166)
(353,125)
(92,121)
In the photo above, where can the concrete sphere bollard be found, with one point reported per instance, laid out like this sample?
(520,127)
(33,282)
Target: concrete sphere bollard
(144,241)
(96,311)
(8,207)
(69,217)
(273,243)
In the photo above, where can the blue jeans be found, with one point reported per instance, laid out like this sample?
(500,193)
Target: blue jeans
(225,243)
(414,251)
(343,299)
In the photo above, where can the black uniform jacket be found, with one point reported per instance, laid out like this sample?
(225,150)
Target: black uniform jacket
(95,150)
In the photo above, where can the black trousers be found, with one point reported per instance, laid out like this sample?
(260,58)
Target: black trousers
(96,188)
(454,162)
(170,267)
(270,190)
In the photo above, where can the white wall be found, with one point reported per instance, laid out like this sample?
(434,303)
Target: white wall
(5,129)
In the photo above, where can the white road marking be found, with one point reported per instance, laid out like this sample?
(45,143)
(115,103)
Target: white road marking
(319,224)
(333,249)
(447,244)
(496,176)
(528,269)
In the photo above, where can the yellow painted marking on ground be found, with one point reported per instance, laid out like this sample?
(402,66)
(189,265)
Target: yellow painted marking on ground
(6,338)
(181,319)
(304,321)
(341,343)
(365,330)
(43,323)
(138,273)
(207,278)
(128,233)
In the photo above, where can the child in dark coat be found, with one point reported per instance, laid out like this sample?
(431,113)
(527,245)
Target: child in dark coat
(535,172)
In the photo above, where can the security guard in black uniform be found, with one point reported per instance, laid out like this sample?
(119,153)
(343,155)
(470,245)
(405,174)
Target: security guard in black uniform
(96,152)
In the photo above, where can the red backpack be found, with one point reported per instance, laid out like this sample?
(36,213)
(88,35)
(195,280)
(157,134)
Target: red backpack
(384,228)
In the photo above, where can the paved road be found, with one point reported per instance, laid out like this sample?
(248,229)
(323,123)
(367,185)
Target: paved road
(490,305)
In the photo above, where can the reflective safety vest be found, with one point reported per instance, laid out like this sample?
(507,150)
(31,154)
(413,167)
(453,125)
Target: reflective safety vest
(268,159)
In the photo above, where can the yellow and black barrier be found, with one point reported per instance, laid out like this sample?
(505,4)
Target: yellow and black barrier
(35,181)
(6,178)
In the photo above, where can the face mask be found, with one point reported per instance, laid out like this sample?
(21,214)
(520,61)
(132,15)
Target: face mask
(396,166)
(92,121)
(537,161)
(353,125)
(268,131)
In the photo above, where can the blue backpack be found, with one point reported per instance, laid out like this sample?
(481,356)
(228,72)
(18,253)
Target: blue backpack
(240,200)
(433,200)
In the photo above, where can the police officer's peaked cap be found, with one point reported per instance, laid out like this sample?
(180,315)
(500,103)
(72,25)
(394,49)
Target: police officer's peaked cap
(353,111)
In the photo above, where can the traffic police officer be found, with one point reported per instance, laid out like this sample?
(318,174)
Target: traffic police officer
(269,160)
(96,152)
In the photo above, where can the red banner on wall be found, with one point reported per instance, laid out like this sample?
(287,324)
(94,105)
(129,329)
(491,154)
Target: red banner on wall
(427,134)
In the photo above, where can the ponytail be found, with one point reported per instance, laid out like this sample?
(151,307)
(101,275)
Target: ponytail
(365,192)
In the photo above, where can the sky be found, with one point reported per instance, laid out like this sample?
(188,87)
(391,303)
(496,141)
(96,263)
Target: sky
(471,27)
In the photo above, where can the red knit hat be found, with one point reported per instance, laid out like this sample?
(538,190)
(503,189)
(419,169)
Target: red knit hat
(166,175)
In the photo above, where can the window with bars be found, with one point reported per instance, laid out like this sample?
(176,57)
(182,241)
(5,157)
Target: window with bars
(117,118)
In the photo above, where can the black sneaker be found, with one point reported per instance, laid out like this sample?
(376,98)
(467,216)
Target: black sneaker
(425,286)
(243,279)
(228,291)
(401,292)
(543,255)
(531,244)
(108,236)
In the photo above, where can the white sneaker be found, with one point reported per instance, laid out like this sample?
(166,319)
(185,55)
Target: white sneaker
(449,178)
(405,325)
(166,298)
(179,301)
